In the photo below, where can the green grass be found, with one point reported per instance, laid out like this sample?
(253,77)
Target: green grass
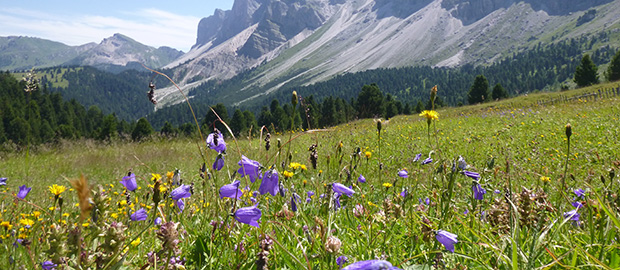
(511,143)
(57,79)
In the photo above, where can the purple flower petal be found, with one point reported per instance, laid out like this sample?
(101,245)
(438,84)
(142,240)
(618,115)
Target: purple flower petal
(23,192)
(478,191)
(342,189)
(417,157)
(447,239)
(129,182)
(139,215)
(231,190)
(184,191)
(371,265)
(248,215)
(48,265)
(427,161)
(361,179)
(219,163)
(580,192)
(472,175)
(3,181)
(270,183)
(249,167)
(216,142)
(403,174)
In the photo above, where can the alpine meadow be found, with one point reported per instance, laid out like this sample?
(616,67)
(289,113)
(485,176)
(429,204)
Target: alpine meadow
(320,134)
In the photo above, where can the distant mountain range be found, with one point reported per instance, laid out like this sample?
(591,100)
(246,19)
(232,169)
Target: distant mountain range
(282,43)
(115,53)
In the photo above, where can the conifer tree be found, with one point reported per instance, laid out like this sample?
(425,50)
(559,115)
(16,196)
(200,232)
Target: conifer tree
(479,91)
(586,73)
(613,71)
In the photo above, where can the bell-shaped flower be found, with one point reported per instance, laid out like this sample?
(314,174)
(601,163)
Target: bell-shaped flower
(462,164)
(248,215)
(447,239)
(231,190)
(342,189)
(139,215)
(478,191)
(371,265)
(403,174)
(3,181)
(472,175)
(184,191)
(129,182)
(249,167)
(270,183)
(427,161)
(215,141)
(361,179)
(219,162)
(417,157)
(23,192)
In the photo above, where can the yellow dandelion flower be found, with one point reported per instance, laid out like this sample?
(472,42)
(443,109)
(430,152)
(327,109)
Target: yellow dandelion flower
(387,185)
(287,174)
(56,189)
(7,225)
(294,165)
(26,222)
(135,242)
(368,154)
(545,179)
(85,225)
(169,175)
(155,176)
(114,215)
(430,115)
(304,168)
(36,214)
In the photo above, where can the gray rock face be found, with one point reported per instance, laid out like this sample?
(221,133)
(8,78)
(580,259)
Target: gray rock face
(470,11)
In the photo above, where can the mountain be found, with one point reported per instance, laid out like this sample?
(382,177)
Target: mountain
(115,53)
(120,52)
(301,42)
(22,53)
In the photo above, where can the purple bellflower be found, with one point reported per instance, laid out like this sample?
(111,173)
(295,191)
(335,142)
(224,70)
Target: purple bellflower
(231,190)
(427,161)
(447,239)
(48,265)
(270,183)
(129,182)
(180,204)
(3,181)
(342,189)
(184,191)
(577,204)
(23,192)
(139,215)
(462,164)
(340,261)
(371,265)
(215,141)
(417,157)
(404,193)
(472,175)
(361,179)
(478,191)
(249,167)
(572,215)
(580,192)
(219,163)
(248,215)
(403,174)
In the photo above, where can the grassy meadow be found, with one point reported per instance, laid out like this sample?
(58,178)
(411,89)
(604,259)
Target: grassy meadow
(531,216)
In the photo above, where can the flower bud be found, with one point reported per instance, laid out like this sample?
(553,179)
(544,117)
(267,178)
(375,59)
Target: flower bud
(294,99)
(569,131)
(333,244)
(379,125)
(433,93)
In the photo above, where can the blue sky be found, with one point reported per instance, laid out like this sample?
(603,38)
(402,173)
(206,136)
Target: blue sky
(154,23)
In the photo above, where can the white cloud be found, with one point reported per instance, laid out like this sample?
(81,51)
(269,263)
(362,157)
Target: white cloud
(152,27)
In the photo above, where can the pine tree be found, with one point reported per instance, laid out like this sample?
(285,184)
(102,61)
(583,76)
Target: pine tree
(586,73)
(613,71)
(499,92)
(238,123)
(142,130)
(479,91)
(370,102)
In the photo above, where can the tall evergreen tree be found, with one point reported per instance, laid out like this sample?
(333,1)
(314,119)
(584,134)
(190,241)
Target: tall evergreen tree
(586,73)
(499,92)
(142,130)
(238,123)
(210,121)
(370,102)
(613,71)
(479,91)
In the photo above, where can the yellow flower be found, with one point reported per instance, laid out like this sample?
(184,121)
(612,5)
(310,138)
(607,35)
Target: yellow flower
(26,222)
(114,215)
(56,189)
(36,214)
(169,175)
(368,154)
(304,168)
(545,179)
(7,225)
(155,176)
(288,174)
(387,185)
(135,242)
(85,225)
(430,115)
